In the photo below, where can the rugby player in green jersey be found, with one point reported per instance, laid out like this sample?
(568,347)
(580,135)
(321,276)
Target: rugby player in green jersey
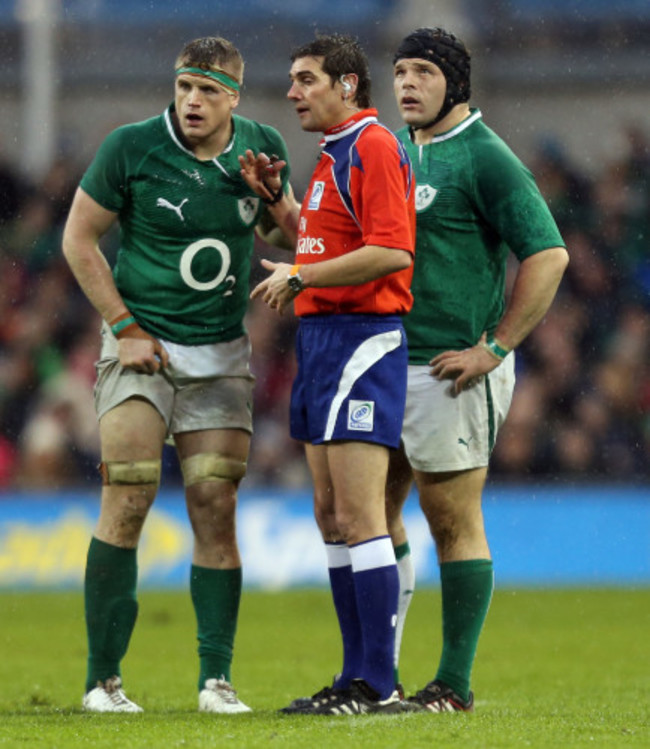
(475,203)
(175,355)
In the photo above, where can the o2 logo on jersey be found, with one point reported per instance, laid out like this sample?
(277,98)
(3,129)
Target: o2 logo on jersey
(361,416)
(316,196)
(186,266)
(424,196)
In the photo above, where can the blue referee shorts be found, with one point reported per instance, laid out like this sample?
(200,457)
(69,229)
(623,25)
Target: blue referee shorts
(351,381)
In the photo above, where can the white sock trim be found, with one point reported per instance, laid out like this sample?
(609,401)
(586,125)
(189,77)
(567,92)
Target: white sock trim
(371,554)
(338,555)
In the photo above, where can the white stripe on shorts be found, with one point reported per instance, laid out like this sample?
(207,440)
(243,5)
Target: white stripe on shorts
(367,354)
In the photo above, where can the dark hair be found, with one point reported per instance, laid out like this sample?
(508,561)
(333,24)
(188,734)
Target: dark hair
(341,55)
(210,52)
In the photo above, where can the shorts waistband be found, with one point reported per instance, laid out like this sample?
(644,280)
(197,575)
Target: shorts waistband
(354,319)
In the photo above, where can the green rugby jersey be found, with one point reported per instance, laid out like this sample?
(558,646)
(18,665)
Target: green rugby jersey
(475,202)
(186,226)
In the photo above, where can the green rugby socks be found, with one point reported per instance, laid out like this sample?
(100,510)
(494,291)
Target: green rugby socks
(215,595)
(466,594)
(110,607)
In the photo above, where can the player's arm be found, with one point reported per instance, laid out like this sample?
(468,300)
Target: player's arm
(87,223)
(268,230)
(358,267)
(534,289)
(262,174)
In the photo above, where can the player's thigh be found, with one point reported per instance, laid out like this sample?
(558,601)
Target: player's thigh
(324,510)
(452,492)
(358,471)
(230,443)
(452,504)
(131,431)
(132,436)
(398,486)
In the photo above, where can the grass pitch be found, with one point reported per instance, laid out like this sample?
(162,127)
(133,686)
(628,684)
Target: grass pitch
(564,668)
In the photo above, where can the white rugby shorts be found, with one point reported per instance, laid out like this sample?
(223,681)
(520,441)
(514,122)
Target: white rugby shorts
(204,387)
(446,432)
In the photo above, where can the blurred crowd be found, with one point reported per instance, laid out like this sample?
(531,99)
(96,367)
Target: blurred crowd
(581,410)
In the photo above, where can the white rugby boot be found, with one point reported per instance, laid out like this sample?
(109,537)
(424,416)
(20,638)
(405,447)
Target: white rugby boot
(218,696)
(108,697)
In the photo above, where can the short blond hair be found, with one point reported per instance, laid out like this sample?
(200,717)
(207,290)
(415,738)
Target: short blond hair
(212,53)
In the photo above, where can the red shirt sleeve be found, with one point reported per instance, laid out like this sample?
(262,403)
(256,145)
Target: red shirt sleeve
(379,183)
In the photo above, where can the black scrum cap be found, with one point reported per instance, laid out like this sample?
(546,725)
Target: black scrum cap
(447,52)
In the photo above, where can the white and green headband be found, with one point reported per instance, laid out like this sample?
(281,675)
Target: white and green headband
(219,76)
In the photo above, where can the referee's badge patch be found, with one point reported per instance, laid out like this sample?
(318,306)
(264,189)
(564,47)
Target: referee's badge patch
(424,196)
(316,196)
(361,416)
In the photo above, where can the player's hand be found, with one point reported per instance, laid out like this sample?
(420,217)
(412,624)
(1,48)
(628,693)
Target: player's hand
(140,351)
(465,367)
(274,290)
(262,173)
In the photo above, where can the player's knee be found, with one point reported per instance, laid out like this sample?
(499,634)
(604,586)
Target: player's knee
(445,535)
(204,467)
(130,472)
(351,525)
(326,519)
(393,510)
(328,526)
(395,525)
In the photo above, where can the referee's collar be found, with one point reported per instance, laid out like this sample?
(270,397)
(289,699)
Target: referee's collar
(353,123)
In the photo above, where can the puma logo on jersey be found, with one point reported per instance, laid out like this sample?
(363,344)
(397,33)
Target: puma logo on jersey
(424,196)
(461,441)
(178,209)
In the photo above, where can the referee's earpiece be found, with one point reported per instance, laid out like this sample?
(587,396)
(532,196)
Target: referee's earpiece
(347,87)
